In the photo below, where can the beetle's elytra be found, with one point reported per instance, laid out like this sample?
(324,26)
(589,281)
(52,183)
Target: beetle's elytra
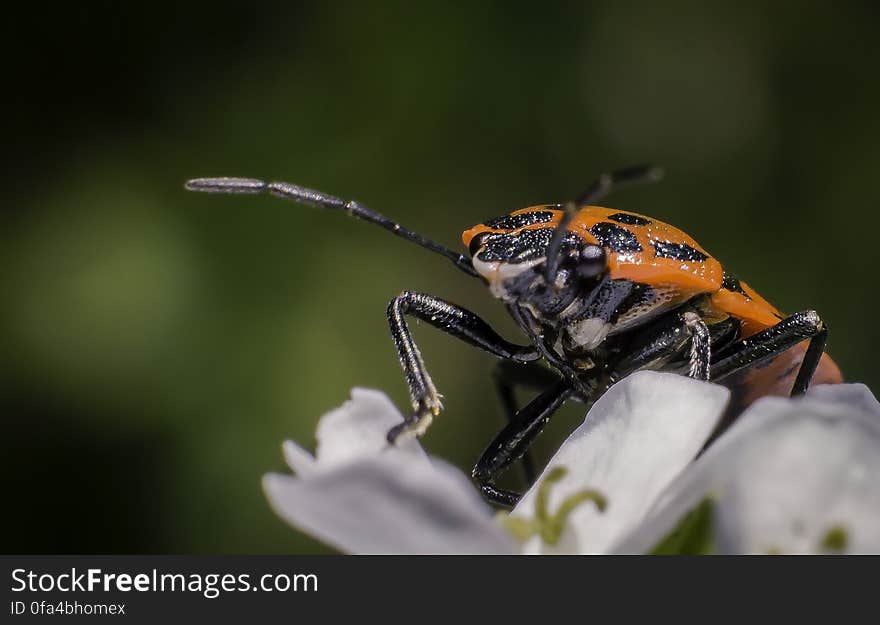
(599,293)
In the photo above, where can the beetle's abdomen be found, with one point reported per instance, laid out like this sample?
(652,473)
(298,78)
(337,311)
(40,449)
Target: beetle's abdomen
(777,377)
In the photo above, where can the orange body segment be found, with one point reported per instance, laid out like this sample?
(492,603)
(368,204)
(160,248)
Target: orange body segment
(646,266)
(752,310)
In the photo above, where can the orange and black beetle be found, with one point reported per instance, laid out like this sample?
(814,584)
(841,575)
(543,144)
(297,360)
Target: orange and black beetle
(600,293)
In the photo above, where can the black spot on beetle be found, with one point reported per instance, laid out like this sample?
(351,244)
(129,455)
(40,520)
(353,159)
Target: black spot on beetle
(516,248)
(616,238)
(512,222)
(678,251)
(629,219)
(524,246)
(731,283)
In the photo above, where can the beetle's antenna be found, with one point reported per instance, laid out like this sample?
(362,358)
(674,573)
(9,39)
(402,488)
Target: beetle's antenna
(604,184)
(311,197)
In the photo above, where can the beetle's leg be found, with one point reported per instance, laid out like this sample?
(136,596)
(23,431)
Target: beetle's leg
(323,200)
(507,375)
(701,349)
(601,187)
(512,442)
(453,320)
(543,343)
(662,348)
(810,362)
(656,348)
(769,343)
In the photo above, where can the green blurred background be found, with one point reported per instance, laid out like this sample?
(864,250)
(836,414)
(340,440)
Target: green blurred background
(157,346)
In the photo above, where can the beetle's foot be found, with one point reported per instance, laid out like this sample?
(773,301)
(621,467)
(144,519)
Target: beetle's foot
(418,423)
(414,427)
(499,496)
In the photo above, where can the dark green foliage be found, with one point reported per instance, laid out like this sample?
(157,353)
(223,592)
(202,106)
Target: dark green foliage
(692,535)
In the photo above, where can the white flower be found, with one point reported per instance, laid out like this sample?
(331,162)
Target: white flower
(636,439)
(791,476)
(362,496)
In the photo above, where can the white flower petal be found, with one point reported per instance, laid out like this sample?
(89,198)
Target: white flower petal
(302,462)
(390,507)
(635,440)
(361,495)
(357,429)
(855,395)
(784,476)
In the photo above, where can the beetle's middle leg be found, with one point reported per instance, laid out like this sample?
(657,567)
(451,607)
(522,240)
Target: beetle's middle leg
(514,440)
(453,320)
(508,375)
(664,347)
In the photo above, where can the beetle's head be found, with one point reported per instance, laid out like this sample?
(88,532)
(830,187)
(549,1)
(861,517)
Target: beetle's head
(510,253)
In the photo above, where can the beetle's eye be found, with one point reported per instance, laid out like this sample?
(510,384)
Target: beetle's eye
(477,242)
(591,261)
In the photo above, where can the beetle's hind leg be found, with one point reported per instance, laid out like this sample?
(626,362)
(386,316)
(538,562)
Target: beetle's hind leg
(767,344)
(810,362)
(453,320)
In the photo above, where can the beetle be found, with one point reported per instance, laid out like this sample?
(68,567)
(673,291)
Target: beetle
(599,293)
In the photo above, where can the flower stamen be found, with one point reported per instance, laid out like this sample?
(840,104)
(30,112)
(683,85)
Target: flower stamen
(550,526)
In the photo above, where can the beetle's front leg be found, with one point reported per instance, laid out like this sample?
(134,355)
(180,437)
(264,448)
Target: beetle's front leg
(453,320)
